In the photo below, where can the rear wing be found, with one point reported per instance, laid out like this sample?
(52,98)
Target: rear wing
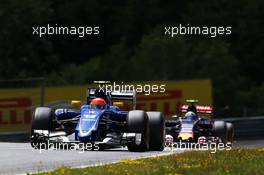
(124,96)
(200,109)
(113,96)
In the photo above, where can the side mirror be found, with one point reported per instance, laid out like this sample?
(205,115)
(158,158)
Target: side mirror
(118,103)
(76,103)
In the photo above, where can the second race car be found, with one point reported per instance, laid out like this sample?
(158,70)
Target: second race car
(193,127)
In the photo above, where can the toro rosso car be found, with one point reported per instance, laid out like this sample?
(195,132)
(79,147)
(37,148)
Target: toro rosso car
(192,127)
(100,122)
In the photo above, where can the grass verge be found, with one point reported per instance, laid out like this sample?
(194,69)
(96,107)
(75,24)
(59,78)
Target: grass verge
(233,162)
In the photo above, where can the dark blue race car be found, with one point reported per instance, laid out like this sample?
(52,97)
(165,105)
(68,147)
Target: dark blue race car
(100,123)
(198,129)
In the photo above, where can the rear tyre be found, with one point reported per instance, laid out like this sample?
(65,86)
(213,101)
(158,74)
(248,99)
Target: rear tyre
(220,130)
(137,122)
(230,132)
(41,120)
(156,131)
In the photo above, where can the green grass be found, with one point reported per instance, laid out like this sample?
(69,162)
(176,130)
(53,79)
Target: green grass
(233,162)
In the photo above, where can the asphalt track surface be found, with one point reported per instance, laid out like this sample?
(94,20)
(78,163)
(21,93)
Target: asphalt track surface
(20,158)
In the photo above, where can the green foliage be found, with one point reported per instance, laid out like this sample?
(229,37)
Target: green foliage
(232,162)
(132,45)
(21,54)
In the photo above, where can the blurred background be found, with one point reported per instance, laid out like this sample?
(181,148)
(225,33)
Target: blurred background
(132,47)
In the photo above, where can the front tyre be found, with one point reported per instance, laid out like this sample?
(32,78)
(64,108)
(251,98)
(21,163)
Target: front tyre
(220,130)
(42,119)
(137,122)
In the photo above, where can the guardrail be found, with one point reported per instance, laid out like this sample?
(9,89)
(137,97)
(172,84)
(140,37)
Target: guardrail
(247,127)
(14,136)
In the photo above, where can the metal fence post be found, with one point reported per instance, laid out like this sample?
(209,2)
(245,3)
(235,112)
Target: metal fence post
(42,92)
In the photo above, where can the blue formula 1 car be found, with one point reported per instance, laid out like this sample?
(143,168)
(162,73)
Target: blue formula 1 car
(100,123)
(197,129)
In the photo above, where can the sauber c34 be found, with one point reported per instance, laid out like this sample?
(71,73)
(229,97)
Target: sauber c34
(106,126)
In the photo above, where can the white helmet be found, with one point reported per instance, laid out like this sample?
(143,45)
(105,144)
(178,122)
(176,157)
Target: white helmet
(189,114)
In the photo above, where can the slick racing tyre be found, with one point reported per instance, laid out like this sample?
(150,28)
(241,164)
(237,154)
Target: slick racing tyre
(137,122)
(230,132)
(41,120)
(156,131)
(220,130)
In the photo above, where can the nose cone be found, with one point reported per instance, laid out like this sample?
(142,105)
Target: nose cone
(88,122)
(185,136)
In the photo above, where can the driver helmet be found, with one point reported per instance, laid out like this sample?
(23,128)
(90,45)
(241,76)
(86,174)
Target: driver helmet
(192,108)
(191,115)
(98,103)
(102,93)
